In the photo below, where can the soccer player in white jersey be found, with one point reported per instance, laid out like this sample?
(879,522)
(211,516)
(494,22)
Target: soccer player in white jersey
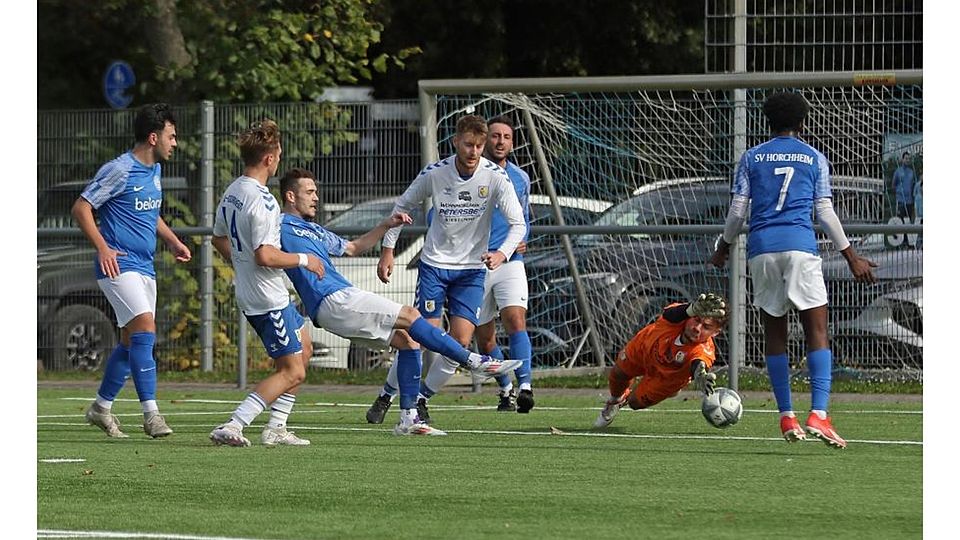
(504,289)
(246,232)
(783,181)
(126,195)
(362,316)
(464,190)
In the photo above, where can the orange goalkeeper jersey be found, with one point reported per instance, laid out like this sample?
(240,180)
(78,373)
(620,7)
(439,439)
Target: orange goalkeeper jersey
(656,351)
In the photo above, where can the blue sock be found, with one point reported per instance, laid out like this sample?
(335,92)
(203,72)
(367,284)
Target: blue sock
(503,379)
(778,369)
(408,377)
(521,349)
(143,368)
(820,363)
(438,341)
(115,373)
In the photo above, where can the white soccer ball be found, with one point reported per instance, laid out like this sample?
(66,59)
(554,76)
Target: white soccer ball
(723,408)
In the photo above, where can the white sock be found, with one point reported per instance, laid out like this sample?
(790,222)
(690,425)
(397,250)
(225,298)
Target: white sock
(526,386)
(788,414)
(248,409)
(149,406)
(104,404)
(408,416)
(439,373)
(506,389)
(280,410)
(820,414)
(474,361)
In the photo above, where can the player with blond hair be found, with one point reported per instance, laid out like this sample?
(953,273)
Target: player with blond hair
(464,190)
(247,233)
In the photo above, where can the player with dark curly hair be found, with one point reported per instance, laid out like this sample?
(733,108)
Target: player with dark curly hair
(783,181)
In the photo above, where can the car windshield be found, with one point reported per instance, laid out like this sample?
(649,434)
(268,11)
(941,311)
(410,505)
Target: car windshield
(696,203)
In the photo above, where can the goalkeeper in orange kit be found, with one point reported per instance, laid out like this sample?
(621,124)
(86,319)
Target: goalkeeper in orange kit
(666,355)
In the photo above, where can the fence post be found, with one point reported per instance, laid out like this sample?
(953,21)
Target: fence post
(206,220)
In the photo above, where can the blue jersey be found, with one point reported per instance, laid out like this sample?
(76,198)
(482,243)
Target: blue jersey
(127,197)
(499,226)
(782,177)
(300,236)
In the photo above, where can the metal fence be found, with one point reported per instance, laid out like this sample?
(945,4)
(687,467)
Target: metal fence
(669,151)
(359,151)
(809,36)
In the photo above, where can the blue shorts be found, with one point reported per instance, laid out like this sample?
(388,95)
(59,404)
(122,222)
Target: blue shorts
(463,289)
(278,330)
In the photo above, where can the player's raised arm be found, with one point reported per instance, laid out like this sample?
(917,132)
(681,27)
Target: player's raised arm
(370,238)
(411,199)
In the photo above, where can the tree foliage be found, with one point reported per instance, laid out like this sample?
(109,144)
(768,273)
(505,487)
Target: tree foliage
(252,51)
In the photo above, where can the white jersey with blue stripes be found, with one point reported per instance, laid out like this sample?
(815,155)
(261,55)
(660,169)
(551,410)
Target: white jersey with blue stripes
(249,215)
(459,234)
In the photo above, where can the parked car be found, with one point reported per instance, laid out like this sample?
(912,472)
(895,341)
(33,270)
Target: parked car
(629,278)
(362,270)
(76,327)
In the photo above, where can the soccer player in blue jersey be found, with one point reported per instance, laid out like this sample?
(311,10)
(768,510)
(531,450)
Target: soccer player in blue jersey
(246,232)
(126,195)
(361,316)
(783,181)
(464,189)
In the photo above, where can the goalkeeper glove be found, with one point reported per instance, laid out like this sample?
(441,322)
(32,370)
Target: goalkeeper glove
(708,305)
(703,379)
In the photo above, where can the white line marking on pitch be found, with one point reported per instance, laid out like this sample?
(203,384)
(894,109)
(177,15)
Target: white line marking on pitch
(576,434)
(485,407)
(57,533)
(62,460)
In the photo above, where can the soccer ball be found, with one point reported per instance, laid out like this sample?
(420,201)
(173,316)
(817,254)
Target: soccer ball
(723,408)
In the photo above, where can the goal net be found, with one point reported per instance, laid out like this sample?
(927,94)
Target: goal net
(660,162)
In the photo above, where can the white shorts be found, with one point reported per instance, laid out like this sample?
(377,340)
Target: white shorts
(504,287)
(787,279)
(360,316)
(130,294)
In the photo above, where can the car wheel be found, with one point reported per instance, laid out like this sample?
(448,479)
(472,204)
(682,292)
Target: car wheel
(83,338)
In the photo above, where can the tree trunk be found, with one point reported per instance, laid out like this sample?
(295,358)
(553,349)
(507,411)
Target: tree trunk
(165,39)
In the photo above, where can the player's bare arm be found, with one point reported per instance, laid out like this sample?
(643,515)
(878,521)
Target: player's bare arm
(106,256)
(222,245)
(271,257)
(371,237)
(861,267)
(180,251)
(385,266)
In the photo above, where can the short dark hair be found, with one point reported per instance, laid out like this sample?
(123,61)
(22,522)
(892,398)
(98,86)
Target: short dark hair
(501,119)
(291,179)
(151,118)
(785,111)
(905,154)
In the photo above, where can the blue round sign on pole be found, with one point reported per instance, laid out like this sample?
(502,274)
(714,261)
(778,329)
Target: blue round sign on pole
(117,79)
